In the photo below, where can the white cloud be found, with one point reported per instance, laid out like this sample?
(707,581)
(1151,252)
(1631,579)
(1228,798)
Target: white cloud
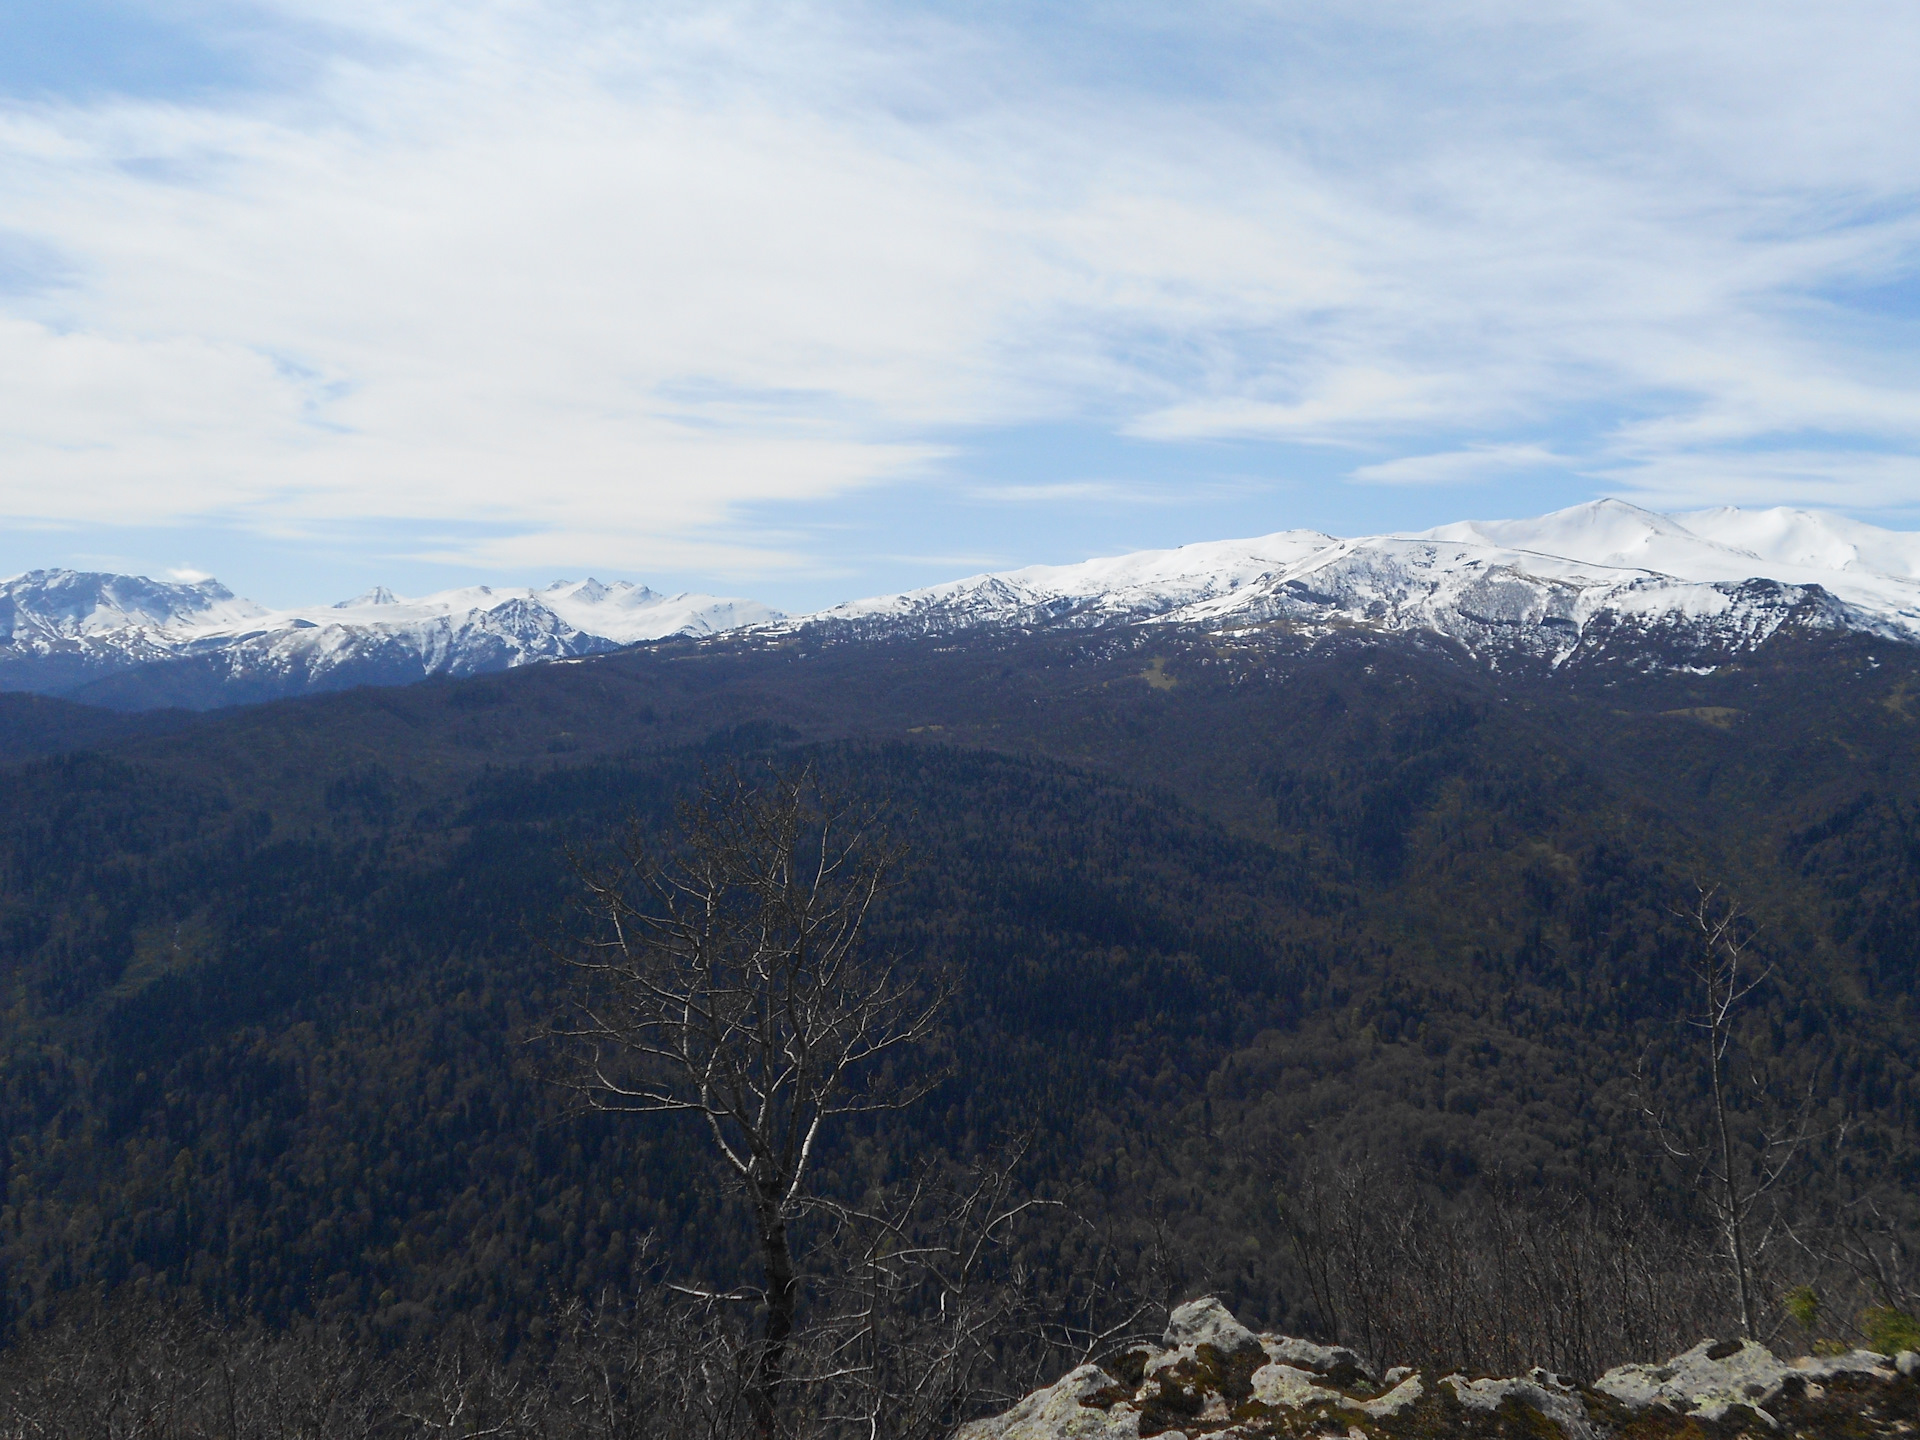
(1454,467)
(188,574)
(1851,480)
(599,281)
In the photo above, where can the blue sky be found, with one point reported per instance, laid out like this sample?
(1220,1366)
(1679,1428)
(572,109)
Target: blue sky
(806,301)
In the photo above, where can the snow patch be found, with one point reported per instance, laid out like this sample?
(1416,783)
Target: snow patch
(1546,586)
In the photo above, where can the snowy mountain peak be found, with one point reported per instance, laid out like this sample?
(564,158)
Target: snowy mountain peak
(378,595)
(1810,539)
(1601,532)
(1602,580)
(74,603)
(1138,586)
(1552,587)
(63,632)
(591,592)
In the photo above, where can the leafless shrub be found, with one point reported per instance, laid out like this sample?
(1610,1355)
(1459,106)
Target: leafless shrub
(1499,1285)
(155,1371)
(928,1311)
(929,1315)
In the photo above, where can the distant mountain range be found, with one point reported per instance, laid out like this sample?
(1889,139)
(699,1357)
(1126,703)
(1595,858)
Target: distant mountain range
(1601,578)
(1240,858)
(133,643)
(1603,581)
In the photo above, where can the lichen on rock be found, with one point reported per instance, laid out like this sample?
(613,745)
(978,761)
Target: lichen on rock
(1212,1377)
(1558,1403)
(1060,1412)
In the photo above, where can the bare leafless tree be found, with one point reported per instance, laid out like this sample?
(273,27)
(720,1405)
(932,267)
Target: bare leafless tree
(923,1298)
(1733,1173)
(727,978)
(932,1309)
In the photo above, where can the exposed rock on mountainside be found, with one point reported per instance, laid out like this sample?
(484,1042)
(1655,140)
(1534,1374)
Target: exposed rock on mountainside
(1601,581)
(60,628)
(1214,1377)
(1600,585)
(134,643)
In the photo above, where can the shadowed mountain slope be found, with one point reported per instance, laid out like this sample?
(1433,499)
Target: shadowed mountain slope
(1215,904)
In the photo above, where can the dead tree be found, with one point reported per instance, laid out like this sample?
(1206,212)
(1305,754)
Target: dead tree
(1733,1174)
(727,979)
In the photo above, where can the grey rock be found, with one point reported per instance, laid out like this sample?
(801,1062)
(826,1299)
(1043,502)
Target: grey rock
(1854,1362)
(1403,1396)
(1291,1388)
(1553,1400)
(1203,1393)
(1283,1385)
(1056,1413)
(1321,1359)
(1207,1322)
(1708,1380)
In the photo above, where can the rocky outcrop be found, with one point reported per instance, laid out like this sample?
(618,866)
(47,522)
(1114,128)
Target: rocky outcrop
(1211,1376)
(1716,1378)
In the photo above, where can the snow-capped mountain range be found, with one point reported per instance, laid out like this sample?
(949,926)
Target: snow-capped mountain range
(1546,588)
(90,635)
(1597,578)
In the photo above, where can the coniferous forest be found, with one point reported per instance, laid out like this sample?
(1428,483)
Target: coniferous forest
(1350,981)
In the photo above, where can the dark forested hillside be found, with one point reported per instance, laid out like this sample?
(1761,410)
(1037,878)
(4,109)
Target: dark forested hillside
(1214,906)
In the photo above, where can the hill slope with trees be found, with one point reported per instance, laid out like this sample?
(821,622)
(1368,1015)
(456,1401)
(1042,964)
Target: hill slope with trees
(1219,910)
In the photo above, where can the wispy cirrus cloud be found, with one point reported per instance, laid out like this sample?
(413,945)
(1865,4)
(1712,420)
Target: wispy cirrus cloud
(1453,467)
(599,281)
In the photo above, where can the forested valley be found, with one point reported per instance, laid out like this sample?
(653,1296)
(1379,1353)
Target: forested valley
(1335,977)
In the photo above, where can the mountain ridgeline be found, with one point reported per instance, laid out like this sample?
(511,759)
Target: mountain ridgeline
(1222,902)
(1598,582)
(130,643)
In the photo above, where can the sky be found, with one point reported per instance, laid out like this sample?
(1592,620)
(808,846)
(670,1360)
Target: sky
(816,300)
